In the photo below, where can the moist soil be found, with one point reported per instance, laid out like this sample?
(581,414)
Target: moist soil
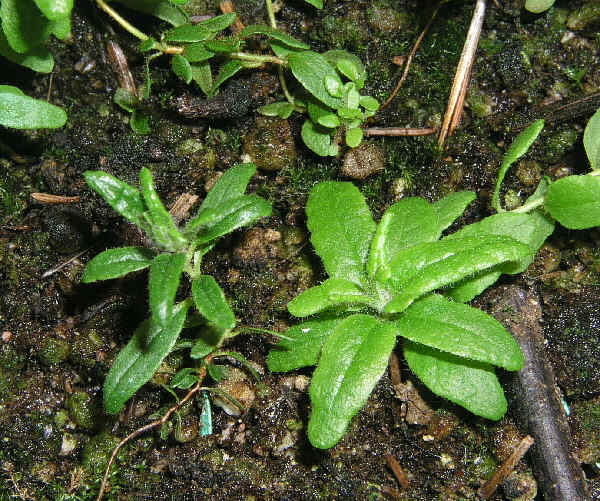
(60,336)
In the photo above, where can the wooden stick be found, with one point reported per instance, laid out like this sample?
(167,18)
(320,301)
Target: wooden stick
(48,198)
(397,470)
(397,131)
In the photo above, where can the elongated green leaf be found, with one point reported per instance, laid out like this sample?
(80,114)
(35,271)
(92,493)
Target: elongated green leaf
(224,45)
(126,99)
(517,149)
(451,207)
(304,347)
(281,109)
(467,289)
(315,3)
(188,33)
(408,222)
(24,25)
(341,229)
(162,9)
(348,64)
(113,263)
(231,185)
(165,273)
(229,69)
(211,303)
(182,68)
(122,197)
(139,360)
(210,339)
(202,75)
(460,330)
(591,140)
(470,384)
(163,229)
(261,29)
(311,69)
(332,292)
(282,50)
(353,359)
(196,53)
(37,59)
(218,23)
(23,112)
(55,9)
(241,212)
(317,138)
(574,201)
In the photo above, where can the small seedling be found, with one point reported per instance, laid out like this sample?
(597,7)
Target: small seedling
(176,251)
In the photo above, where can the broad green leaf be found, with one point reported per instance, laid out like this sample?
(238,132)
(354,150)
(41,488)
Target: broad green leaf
(311,69)
(451,207)
(38,59)
(210,339)
(470,384)
(126,99)
(18,111)
(147,44)
(61,28)
(430,266)
(211,303)
(162,9)
(332,292)
(281,109)
(55,9)
(574,201)
(197,53)
(460,330)
(140,122)
(229,69)
(349,65)
(351,96)
(24,25)
(369,103)
(341,229)
(517,149)
(591,140)
(113,263)
(315,3)
(185,378)
(182,68)
(139,360)
(282,50)
(248,209)
(408,222)
(317,110)
(353,359)
(122,197)
(224,45)
(538,6)
(317,138)
(202,75)
(354,137)
(231,185)
(218,23)
(330,121)
(165,273)
(261,29)
(187,33)
(465,290)
(209,218)
(304,347)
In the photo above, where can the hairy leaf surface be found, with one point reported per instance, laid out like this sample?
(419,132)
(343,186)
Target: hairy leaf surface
(311,69)
(113,263)
(231,185)
(332,292)
(211,303)
(451,207)
(574,201)
(165,273)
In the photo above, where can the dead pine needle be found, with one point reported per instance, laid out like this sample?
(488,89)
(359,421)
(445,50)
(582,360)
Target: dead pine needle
(49,198)
(487,489)
(398,471)
(398,131)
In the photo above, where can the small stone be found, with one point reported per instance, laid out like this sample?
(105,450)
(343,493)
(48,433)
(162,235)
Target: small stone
(520,487)
(363,161)
(69,442)
(68,231)
(256,247)
(236,385)
(270,144)
(187,431)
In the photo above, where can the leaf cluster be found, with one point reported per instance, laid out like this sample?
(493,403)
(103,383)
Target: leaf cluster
(177,251)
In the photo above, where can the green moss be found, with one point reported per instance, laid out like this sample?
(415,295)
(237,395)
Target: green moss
(83,409)
(97,452)
(559,143)
(10,358)
(54,351)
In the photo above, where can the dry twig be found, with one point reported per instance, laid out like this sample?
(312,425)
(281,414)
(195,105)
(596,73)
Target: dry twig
(397,470)
(48,198)
(397,131)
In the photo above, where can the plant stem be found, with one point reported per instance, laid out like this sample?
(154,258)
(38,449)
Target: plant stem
(528,207)
(261,331)
(257,58)
(271,14)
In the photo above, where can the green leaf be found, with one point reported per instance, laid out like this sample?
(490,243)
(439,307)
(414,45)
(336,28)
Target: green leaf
(224,45)
(281,109)
(349,65)
(140,122)
(317,138)
(211,303)
(126,99)
(315,3)
(229,69)
(591,140)
(538,6)
(311,69)
(165,274)
(162,9)
(261,29)
(242,360)
(202,75)
(38,59)
(460,330)
(122,197)
(574,201)
(332,292)
(184,379)
(187,33)
(139,360)
(304,346)
(333,86)
(369,103)
(61,28)
(430,266)
(465,290)
(55,9)
(470,384)
(231,185)
(354,137)
(341,229)
(218,23)
(353,359)
(351,96)
(162,228)
(408,222)
(330,121)
(23,25)
(182,68)
(113,263)
(147,44)
(317,110)
(197,53)
(517,149)
(18,111)
(451,207)
(282,50)
(210,339)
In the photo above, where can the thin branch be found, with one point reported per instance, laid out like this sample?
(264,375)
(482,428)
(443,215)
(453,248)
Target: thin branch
(398,131)
(398,471)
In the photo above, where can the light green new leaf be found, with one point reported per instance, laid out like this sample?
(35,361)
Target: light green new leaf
(467,289)
(229,69)
(317,110)
(182,68)
(231,185)
(24,25)
(18,111)
(139,360)
(353,359)
(408,222)
(591,140)
(348,64)
(261,29)
(517,149)
(451,207)
(538,6)
(38,59)
(354,137)
(332,292)
(574,201)
(317,138)
(280,109)
(187,33)
(55,9)
(304,347)
(311,69)
(113,263)
(460,330)
(165,273)
(315,3)
(211,303)
(122,197)
(470,384)
(341,229)
(162,9)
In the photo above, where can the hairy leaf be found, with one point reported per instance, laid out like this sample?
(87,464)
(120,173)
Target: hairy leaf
(218,23)
(591,140)
(18,111)
(451,207)
(202,75)
(38,59)
(113,263)
(231,185)
(182,68)
(229,69)
(332,292)
(211,303)
(275,34)
(24,25)
(162,9)
(574,201)
(317,138)
(224,45)
(311,69)
(165,273)
(197,53)
(188,33)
